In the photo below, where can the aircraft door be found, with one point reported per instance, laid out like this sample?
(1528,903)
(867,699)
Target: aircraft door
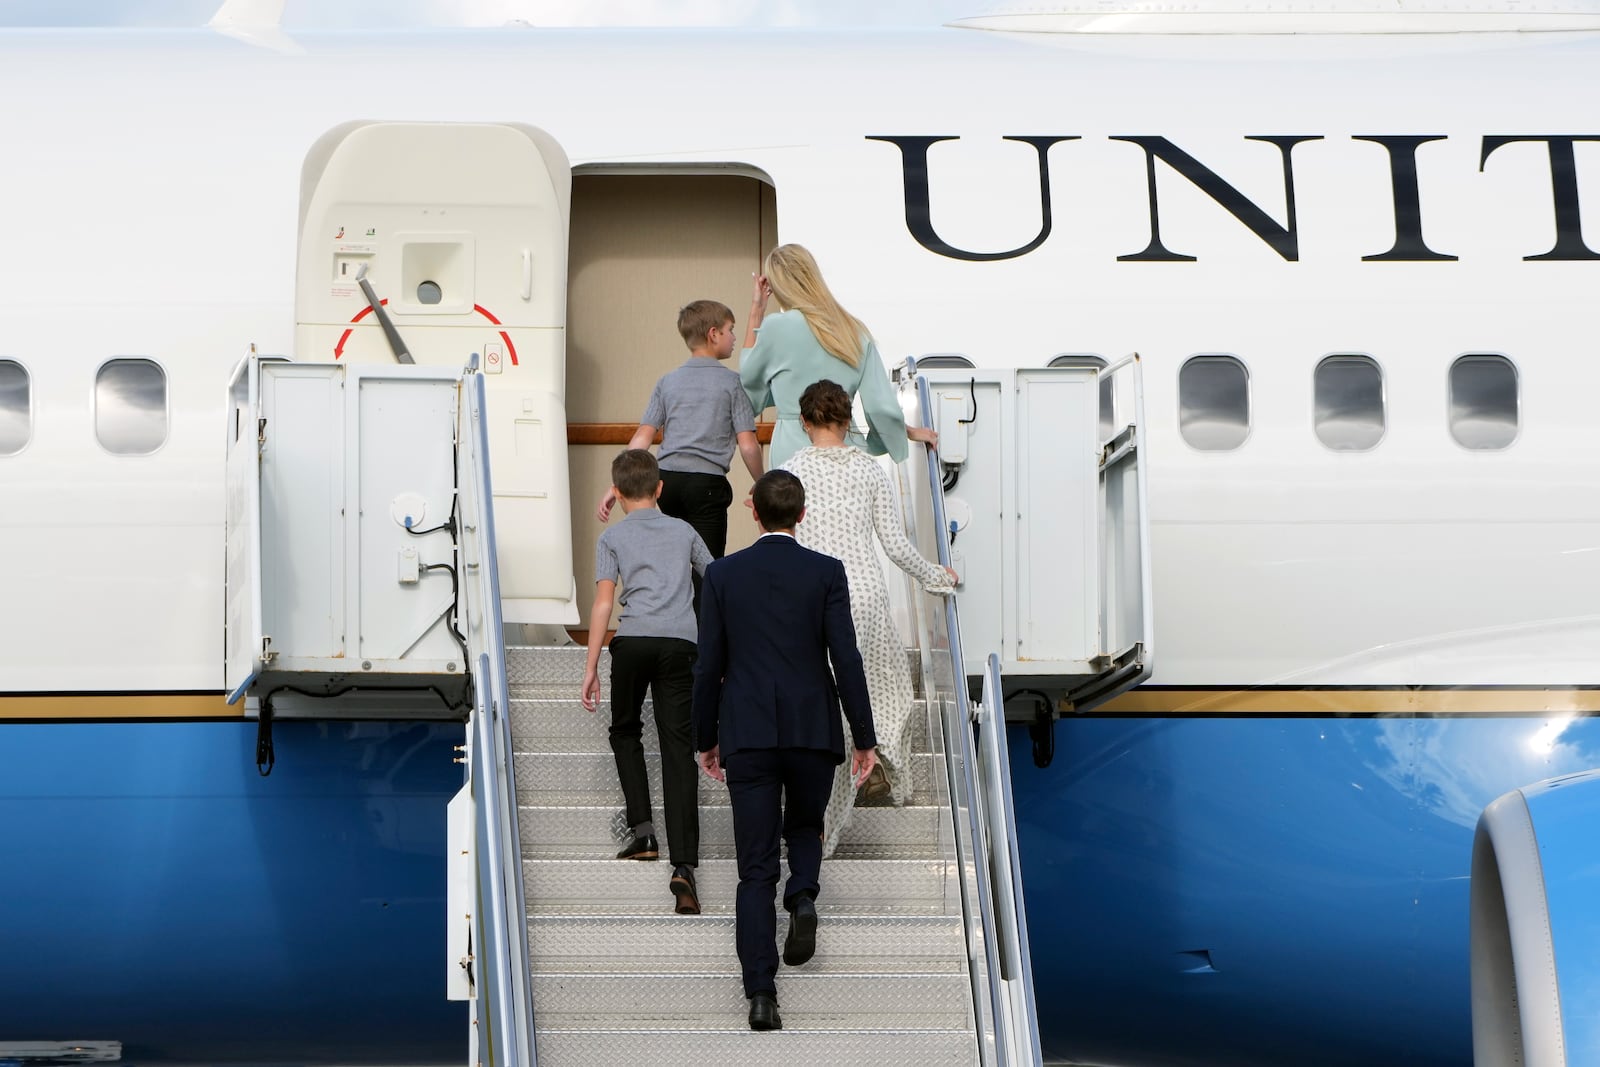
(460,232)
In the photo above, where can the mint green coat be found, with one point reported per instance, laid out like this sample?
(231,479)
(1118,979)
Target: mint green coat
(786,358)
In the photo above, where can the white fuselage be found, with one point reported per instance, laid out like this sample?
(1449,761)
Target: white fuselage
(151,185)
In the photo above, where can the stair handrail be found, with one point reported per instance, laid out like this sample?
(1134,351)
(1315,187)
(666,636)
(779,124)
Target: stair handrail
(979,735)
(504,997)
(1016,959)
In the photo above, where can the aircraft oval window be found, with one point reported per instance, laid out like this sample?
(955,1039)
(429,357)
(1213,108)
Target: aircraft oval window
(130,406)
(1107,400)
(1214,402)
(1483,401)
(943,359)
(16,407)
(1348,398)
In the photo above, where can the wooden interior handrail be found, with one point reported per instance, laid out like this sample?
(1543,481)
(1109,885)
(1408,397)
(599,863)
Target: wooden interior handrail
(620,433)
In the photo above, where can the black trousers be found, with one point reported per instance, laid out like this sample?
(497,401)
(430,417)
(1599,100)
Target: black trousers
(702,501)
(664,665)
(774,791)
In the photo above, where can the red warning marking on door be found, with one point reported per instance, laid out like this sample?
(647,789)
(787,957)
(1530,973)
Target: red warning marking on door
(338,349)
(511,348)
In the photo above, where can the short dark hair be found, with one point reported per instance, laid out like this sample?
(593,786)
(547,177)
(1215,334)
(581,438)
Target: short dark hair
(697,320)
(779,499)
(635,474)
(825,403)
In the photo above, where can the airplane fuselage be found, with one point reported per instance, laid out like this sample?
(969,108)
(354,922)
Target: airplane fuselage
(1266,847)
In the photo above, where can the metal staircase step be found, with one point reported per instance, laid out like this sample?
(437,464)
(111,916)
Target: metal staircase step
(691,944)
(560,724)
(553,665)
(600,887)
(534,670)
(618,978)
(585,832)
(651,1002)
(790,1047)
(575,778)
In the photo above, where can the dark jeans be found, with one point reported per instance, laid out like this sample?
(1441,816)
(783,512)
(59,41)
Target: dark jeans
(702,501)
(773,791)
(664,665)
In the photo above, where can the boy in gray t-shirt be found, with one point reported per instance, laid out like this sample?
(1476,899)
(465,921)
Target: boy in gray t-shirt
(703,415)
(652,557)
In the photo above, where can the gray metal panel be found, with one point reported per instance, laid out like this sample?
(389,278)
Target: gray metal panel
(585,832)
(1057,533)
(612,886)
(782,1048)
(534,669)
(591,778)
(538,666)
(405,456)
(552,723)
(902,998)
(618,978)
(302,510)
(681,944)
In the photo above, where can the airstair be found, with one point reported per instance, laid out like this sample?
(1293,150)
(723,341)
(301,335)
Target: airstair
(619,978)
(567,955)
(919,960)
(365,578)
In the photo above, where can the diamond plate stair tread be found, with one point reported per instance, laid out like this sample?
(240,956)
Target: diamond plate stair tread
(653,944)
(580,778)
(632,1001)
(560,724)
(794,1046)
(611,886)
(889,984)
(533,670)
(537,665)
(549,832)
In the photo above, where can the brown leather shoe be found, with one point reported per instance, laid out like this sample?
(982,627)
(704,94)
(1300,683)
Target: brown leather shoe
(682,887)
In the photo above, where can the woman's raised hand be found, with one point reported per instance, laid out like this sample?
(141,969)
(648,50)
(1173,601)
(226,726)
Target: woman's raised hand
(759,295)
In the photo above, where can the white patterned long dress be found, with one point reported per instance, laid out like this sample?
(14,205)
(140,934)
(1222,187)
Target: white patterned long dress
(848,499)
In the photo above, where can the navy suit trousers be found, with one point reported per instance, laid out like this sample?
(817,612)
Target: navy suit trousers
(774,790)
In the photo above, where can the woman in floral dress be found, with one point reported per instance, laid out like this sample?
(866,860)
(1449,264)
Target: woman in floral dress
(849,501)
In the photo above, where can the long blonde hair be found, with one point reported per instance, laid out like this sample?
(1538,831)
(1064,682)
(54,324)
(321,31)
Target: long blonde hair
(797,283)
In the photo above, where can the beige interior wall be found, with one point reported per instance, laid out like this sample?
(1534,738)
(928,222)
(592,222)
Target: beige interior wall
(642,247)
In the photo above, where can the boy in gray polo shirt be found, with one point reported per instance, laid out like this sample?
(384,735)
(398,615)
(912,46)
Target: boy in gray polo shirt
(652,557)
(703,415)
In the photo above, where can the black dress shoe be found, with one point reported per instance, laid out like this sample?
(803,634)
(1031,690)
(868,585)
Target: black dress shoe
(764,1012)
(682,886)
(640,848)
(801,944)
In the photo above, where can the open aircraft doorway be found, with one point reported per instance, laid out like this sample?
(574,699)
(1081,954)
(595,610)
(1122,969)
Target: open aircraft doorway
(645,242)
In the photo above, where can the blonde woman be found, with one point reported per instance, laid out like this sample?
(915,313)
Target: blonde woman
(810,339)
(849,502)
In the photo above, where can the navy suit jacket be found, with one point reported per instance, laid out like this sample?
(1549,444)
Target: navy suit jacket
(770,618)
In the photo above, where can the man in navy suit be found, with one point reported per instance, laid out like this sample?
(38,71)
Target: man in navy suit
(766,721)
